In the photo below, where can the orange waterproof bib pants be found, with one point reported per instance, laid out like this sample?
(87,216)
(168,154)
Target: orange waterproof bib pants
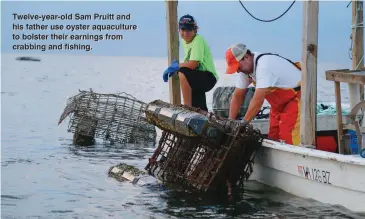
(284,111)
(284,115)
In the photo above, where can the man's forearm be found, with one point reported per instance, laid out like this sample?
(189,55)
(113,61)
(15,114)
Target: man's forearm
(234,110)
(253,109)
(236,103)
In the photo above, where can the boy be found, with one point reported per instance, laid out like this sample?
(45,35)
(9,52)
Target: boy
(197,74)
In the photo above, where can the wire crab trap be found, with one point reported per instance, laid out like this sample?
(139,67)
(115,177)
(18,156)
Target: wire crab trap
(205,160)
(117,118)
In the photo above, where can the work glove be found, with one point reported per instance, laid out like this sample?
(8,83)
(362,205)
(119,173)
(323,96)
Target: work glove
(244,122)
(174,66)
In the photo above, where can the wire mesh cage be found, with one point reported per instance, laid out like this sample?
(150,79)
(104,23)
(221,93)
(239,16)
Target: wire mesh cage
(117,118)
(199,161)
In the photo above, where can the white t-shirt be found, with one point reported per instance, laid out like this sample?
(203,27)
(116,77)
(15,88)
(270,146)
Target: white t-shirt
(272,71)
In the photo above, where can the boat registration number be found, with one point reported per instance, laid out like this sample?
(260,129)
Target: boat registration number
(322,176)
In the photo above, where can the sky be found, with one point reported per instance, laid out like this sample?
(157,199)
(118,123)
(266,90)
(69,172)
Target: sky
(221,23)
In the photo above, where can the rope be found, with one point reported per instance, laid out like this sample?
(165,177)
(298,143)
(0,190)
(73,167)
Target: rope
(358,25)
(348,4)
(266,20)
(358,64)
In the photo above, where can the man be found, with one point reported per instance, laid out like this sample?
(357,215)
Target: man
(277,80)
(197,73)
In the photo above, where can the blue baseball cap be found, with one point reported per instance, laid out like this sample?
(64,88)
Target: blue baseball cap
(187,22)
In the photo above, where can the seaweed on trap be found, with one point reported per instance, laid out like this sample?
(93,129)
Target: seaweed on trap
(117,118)
(199,149)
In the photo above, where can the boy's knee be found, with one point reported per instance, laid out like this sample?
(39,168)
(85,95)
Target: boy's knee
(180,74)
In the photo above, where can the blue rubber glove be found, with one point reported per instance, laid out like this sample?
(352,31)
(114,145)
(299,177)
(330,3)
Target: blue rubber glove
(174,66)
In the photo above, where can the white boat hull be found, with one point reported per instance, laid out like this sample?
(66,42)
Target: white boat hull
(326,177)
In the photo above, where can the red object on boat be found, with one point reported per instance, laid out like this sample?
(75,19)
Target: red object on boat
(326,143)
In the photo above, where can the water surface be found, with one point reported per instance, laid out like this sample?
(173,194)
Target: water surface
(45,176)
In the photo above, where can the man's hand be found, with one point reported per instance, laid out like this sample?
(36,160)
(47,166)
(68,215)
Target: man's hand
(244,122)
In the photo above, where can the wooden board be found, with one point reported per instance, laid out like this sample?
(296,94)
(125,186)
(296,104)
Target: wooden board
(309,74)
(346,76)
(173,49)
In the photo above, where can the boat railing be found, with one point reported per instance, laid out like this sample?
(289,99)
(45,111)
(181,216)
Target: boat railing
(350,77)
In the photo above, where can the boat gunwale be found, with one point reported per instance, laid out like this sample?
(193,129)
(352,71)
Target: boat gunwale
(349,159)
